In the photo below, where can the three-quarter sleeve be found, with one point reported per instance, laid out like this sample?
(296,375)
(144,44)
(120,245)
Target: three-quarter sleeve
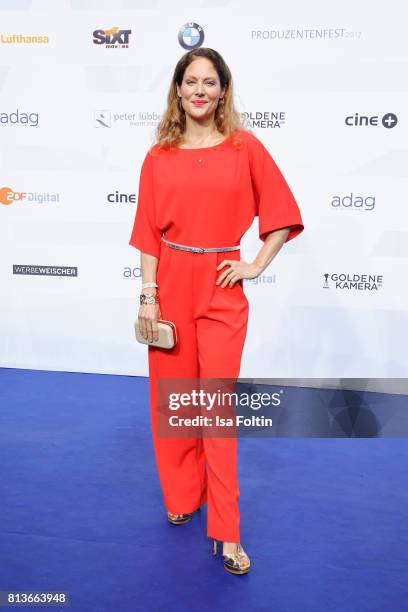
(276,206)
(146,235)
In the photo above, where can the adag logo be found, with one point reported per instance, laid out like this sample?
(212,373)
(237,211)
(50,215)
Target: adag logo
(132,273)
(113,38)
(19,118)
(353,202)
(191,35)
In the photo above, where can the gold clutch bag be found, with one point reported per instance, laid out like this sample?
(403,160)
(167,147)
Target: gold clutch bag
(167,335)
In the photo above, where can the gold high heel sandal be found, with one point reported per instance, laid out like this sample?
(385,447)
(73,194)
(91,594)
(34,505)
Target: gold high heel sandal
(235,563)
(179,519)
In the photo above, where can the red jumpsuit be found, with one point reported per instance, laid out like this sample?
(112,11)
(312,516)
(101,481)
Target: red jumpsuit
(205,197)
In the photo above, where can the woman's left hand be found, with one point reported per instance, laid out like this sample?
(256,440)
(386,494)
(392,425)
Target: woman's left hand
(235,271)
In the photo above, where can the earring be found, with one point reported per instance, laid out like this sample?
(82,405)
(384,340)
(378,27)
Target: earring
(220,109)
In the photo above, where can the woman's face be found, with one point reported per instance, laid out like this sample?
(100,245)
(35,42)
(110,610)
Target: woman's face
(200,83)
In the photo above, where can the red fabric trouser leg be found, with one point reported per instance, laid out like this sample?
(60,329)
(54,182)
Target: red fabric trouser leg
(212,324)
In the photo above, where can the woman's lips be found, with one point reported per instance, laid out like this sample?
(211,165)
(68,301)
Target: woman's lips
(199,103)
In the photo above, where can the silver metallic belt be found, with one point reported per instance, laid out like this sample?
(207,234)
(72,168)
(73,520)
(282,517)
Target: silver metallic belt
(183,247)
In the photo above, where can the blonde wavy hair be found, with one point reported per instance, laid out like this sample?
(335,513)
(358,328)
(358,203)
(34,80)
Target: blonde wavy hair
(170,130)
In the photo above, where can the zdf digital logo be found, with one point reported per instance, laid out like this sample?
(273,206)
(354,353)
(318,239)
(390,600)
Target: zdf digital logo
(10,196)
(389,120)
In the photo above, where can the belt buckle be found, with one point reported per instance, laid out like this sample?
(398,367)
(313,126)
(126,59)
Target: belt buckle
(199,250)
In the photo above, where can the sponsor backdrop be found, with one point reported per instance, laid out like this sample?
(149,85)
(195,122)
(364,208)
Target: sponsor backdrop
(83,84)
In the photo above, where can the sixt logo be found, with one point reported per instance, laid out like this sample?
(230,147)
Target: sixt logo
(113,38)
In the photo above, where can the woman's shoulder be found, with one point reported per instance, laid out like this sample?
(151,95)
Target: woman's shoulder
(252,142)
(249,137)
(153,150)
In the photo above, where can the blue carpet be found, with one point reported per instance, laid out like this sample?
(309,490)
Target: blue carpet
(323,520)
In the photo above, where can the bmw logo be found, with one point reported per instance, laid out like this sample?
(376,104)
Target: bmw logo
(191,35)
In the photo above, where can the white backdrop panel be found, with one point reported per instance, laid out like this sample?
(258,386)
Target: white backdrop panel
(299,326)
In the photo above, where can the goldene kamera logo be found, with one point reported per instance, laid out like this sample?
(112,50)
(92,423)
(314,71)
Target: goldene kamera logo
(264,120)
(352,282)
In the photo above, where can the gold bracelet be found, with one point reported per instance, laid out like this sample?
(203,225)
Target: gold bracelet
(149,298)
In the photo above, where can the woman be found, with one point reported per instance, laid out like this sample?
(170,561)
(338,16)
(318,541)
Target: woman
(201,185)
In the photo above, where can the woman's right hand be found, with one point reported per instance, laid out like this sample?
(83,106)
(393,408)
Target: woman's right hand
(147,319)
